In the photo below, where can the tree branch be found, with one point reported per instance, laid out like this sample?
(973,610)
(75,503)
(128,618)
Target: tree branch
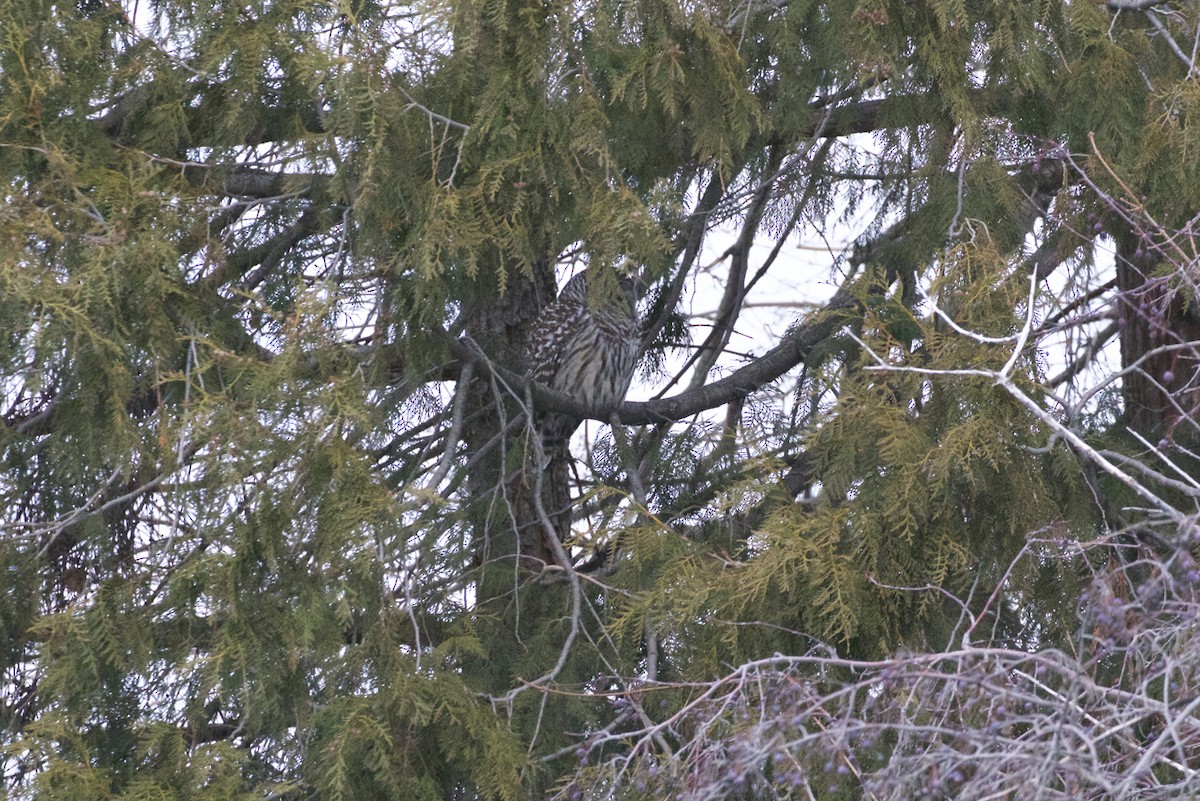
(791,351)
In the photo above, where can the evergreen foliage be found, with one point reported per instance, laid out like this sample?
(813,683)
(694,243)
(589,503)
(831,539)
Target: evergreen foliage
(270,527)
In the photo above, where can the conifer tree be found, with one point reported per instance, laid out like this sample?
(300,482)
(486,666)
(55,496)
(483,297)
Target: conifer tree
(275,515)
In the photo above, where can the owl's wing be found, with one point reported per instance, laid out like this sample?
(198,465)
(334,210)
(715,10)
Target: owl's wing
(557,327)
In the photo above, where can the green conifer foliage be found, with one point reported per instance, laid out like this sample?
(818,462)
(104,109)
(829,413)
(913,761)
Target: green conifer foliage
(272,481)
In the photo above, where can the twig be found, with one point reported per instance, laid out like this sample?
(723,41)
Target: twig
(449,450)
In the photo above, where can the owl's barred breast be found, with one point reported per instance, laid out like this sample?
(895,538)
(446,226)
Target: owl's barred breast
(584,350)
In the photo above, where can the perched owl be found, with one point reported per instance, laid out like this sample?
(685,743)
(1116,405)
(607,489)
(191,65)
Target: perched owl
(585,345)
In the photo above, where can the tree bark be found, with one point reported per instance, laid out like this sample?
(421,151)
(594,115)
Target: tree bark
(1159,332)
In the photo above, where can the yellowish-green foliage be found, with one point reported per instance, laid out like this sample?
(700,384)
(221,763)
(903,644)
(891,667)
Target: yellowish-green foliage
(917,475)
(257,537)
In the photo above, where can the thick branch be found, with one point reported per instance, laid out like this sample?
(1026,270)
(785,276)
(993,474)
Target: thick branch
(1134,5)
(268,254)
(252,182)
(276,122)
(791,351)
